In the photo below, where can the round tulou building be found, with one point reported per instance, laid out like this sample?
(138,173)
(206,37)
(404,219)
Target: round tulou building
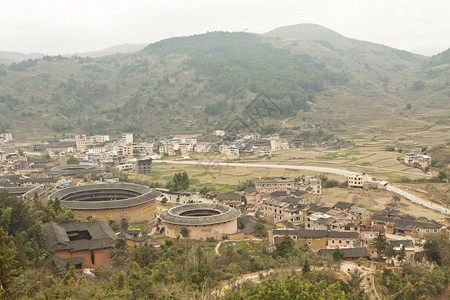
(71,170)
(204,220)
(110,201)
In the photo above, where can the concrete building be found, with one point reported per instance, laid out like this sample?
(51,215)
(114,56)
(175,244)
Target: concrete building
(7,136)
(358,181)
(278,144)
(269,185)
(127,138)
(144,166)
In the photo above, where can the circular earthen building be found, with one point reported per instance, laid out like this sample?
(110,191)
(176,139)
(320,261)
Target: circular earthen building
(203,220)
(71,170)
(110,201)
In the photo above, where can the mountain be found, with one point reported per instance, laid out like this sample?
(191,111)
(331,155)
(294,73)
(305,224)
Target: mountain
(120,49)
(222,80)
(8,57)
(317,33)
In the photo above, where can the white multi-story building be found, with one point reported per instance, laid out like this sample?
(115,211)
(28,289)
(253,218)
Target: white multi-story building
(6,136)
(229,150)
(278,144)
(127,138)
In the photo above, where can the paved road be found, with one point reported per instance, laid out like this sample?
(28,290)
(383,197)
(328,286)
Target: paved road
(346,173)
(418,200)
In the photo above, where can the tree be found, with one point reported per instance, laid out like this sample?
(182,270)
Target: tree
(390,252)
(164,200)
(355,290)
(124,224)
(395,200)
(120,252)
(306,268)
(285,246)
(114,226)
(204,191)
(380,244)
(401,254)
(338,254)
(185,232)
(179,182)
(7,264)
(260,229)
(437,248)
(73,161)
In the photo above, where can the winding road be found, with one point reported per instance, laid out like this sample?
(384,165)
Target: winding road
(340,172)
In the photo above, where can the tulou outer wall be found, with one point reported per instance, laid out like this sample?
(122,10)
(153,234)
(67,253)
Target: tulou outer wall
(202,232)
(100,257)
(143,212)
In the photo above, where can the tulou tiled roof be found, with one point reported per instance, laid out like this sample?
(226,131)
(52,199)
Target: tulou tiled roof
(224,213)
(139,194)
(348,252)
(99,236)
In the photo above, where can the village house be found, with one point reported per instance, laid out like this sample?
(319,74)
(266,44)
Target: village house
(339,239)
(278,144)
(408,245)
(417,161)
(396,223)
(133,238)
(316,239)
(357,181)
(311,184)
(167,149)
(228,150)
(85,245)
(230,199)
(144,166)
(268,185)
(252,197)
(288,209)
(349,253)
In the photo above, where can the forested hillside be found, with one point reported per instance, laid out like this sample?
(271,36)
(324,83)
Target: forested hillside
(204,82)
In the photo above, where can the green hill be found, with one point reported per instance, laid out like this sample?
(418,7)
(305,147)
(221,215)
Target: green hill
(207,81)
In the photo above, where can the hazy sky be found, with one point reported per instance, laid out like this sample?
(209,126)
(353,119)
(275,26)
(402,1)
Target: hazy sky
(63,26)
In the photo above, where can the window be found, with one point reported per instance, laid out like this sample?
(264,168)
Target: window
(332,241)
(418,230)
(356,228)
(347,242)
(435,230)
(340,241)
(428,230)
